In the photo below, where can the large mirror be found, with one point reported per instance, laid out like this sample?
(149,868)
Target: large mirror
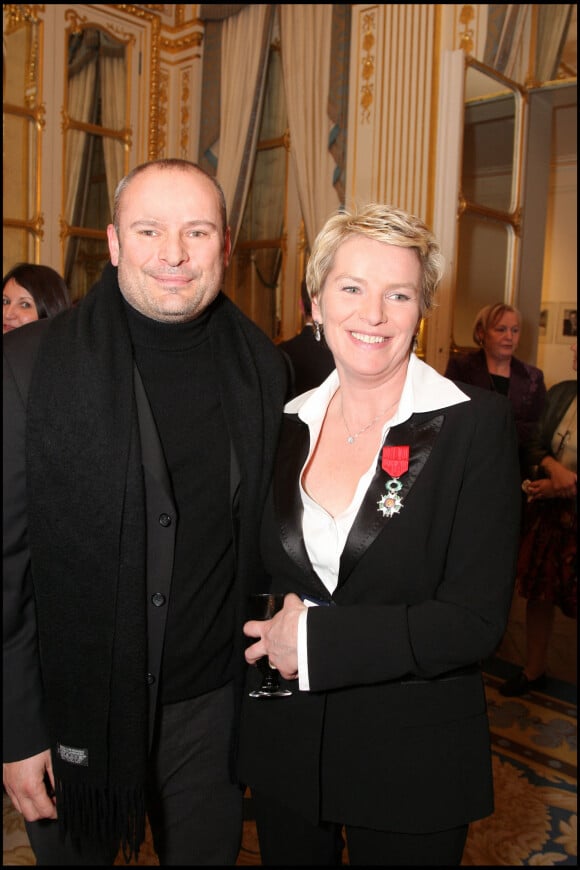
(488,210)
(97,141)
(22,120)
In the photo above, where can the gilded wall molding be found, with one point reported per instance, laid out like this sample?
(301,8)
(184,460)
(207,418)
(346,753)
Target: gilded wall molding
(185,113)
(19,17)
(174,45)
(15,14)
(466,17)
(154,21)
(163,114)
(81,22)
(32,75)
(75,22)
(179,14)
(368,65)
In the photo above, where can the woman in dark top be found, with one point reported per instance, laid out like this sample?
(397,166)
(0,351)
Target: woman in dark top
(495,367)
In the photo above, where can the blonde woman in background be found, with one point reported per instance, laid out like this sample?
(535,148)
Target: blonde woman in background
(495,366)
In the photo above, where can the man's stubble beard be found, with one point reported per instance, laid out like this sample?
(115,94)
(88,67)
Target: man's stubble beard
(151,306)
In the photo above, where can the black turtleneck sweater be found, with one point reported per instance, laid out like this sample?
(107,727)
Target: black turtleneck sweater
(176,366)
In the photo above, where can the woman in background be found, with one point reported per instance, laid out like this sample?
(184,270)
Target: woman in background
(547,574)
(495,367)
(31,292)
(392,525)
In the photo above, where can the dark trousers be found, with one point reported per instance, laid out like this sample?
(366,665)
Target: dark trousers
(194,810)
(286,839)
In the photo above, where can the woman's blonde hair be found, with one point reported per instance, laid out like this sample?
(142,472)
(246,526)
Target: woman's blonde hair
(385,224)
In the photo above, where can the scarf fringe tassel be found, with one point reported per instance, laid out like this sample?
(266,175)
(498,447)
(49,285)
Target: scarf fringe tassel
(110,816)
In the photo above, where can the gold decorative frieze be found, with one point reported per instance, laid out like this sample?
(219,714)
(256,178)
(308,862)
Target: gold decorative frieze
(155,22)
(183,42)
(367,65)
(31,71)
(466,17)
(163,104)
(179,14)
(78,23)
(185,115)
(39,115)
(75,22)
(15,14)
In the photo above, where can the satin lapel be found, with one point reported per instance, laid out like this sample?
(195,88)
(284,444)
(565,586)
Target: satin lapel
(291,455)
(369,522)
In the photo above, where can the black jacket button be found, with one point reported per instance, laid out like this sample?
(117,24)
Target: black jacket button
(165,520)
(158,599)
(150,679)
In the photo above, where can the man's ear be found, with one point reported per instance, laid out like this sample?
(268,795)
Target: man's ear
(113,241)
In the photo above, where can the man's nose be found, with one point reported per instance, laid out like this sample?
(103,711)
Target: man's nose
(173,250)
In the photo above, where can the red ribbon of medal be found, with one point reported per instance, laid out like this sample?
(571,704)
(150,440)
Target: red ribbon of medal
(395,460)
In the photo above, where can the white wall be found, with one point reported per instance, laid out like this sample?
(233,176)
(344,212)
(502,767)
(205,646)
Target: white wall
(560,282)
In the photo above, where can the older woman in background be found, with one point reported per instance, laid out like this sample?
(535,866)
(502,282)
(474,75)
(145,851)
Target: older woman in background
(495,367)
(31,292)
(392,525)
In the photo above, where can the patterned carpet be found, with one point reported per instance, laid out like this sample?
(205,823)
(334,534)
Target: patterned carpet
(535,770)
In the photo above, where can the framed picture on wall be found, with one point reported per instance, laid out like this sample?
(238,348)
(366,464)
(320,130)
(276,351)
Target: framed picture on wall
(567,323)
(547,322)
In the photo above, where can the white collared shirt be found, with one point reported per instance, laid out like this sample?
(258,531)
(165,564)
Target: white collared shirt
(325,535)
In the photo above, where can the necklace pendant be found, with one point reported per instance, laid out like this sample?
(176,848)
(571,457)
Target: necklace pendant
(350,439)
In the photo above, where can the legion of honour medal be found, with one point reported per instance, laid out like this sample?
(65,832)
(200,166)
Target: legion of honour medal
(395,461)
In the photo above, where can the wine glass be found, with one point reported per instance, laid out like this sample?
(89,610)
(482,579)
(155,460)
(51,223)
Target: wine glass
(263,605)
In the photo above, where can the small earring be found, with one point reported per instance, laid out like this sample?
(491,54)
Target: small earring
(317,330)
(415,344)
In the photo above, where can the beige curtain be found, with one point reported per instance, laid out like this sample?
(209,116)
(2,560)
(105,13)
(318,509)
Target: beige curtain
(244,53)
(113,111)
(81,101)
(306,43)
(82,85)
(507,24)
(553,22)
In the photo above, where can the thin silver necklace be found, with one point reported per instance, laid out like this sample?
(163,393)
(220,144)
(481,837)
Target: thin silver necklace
(352,437)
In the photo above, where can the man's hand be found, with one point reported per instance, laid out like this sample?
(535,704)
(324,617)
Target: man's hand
(27,784)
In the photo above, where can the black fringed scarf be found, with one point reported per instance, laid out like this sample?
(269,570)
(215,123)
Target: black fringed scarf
(87,542)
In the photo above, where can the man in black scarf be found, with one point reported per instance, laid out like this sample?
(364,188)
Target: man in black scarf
(139,434)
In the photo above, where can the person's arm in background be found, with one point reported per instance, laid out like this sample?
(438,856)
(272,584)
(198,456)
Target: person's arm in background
(554,480)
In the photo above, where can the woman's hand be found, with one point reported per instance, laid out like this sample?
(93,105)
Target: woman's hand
(562,483)
(277,638)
